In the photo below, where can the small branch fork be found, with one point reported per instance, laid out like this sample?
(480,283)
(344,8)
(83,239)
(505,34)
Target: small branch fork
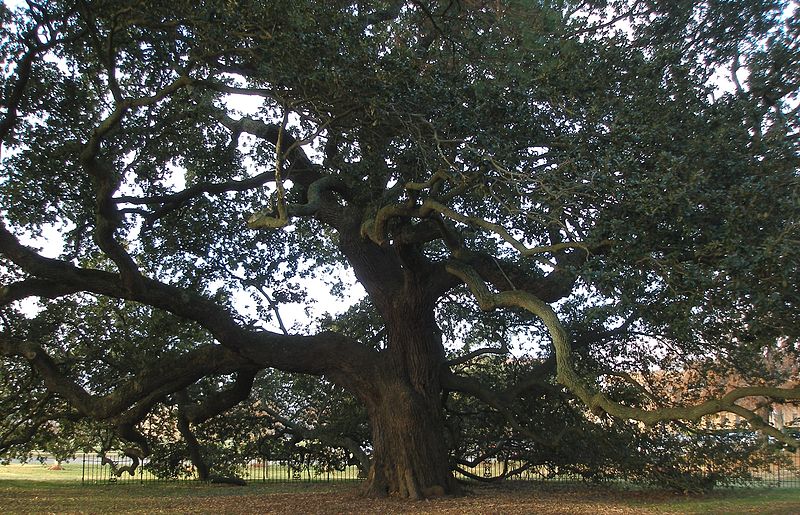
(377,228)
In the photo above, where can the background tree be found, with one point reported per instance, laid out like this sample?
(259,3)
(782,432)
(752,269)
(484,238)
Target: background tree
(569,167)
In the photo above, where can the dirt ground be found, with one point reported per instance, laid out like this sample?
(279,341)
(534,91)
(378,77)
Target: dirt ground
(478,501)
(503,499)
(514,500)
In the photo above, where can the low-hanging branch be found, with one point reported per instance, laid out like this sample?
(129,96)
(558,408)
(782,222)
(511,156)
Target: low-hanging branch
(597,401)
(323,434)
(163,377)
(501,403)
(221,401)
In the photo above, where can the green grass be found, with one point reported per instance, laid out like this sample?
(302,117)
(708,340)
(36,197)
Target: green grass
(35,471)
(775,501)
(31,488)
(177,497)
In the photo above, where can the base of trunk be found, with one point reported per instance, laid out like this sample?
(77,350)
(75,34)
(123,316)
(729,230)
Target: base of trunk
(410,458)
(404,484)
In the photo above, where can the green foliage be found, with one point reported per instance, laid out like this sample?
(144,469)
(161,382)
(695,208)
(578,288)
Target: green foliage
(668,207)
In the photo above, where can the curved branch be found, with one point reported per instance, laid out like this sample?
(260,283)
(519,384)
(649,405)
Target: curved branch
(220,401)
(504,475)
(161,378)
(301,169)
(192,445)
(598,401)
(343,359)
(273,220)
(34,288)
(430,205)
(177,200)
(106,183)
(460,360)
(377,229)
(23,73)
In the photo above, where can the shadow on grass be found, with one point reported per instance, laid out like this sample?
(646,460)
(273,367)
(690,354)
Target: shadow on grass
(18,496)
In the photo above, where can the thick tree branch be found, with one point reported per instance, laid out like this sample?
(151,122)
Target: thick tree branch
(273,219)
(221,401)
(555,285)
(164,376)
(174,201)
(34,288)
(598,401)
(106,182)
(326,353)
(193,446)
(505,474)
(300,170)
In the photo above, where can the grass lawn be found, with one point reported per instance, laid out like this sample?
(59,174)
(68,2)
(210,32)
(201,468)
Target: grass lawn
(35,471)
(32,488)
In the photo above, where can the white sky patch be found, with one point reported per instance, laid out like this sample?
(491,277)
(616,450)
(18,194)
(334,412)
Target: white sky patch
(247,105)
(50,244)
(297,316)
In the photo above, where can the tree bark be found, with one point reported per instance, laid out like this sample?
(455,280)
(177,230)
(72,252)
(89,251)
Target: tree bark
(410,452)
(192,445)
(410,455)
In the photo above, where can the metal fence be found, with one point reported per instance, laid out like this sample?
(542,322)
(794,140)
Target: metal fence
(267,470)
(290,470)
(779,475)
(775,475)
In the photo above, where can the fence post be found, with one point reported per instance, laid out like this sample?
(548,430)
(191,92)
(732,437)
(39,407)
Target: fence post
(83,468)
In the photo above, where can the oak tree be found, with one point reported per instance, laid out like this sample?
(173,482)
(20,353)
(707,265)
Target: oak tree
(599,192)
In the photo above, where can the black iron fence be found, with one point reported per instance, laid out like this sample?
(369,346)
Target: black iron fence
(289,469)
(99,469)
(786,474)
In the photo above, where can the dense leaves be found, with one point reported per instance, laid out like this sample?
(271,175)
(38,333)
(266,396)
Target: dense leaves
(622,176)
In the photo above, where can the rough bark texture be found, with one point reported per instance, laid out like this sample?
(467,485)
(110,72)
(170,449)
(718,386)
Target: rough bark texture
(410,454)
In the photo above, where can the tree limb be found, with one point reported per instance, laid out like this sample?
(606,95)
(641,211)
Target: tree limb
(34,288)
(221,401)
(163,376)
(324,353)
(598,401)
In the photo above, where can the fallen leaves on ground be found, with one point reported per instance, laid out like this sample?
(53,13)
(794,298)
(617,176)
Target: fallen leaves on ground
(323,499)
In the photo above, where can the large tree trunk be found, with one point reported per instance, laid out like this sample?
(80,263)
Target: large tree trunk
(402,392)
(410,453)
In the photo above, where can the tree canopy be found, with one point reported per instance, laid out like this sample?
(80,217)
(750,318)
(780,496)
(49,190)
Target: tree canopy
(544,201)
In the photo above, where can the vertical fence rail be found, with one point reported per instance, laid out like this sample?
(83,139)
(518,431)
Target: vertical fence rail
(285,469)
